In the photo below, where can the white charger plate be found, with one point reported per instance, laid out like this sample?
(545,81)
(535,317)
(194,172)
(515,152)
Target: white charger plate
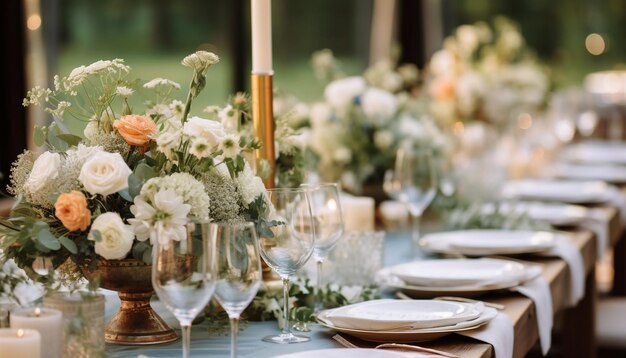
(488,242)
(612,173)
(568,191)
(411,335)
(553,213)
(459,272)
(386,279)
(389,314)
(595,152)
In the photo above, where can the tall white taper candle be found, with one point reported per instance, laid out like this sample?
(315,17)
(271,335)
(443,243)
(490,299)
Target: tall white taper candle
(261,37)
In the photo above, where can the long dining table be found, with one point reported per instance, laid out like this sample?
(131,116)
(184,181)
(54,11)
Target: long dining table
(576,326)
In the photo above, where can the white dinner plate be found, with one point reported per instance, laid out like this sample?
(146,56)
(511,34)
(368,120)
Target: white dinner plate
(411,335)
(459,272)
(553,213)
(595,152)
(344,353)
(568,191)
(389,314)
(386,279)
(612,173)
(488,242)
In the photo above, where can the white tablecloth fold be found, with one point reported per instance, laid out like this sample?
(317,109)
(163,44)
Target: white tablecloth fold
(498,332)
(569,252)
(598,223)
(538,290)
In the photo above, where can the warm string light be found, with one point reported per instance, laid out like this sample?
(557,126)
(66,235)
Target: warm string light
(33,22)
(37,312)
(595,45)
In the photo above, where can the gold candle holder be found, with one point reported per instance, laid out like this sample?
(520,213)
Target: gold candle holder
(263,121)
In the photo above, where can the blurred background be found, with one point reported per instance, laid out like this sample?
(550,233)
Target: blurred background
(574,37)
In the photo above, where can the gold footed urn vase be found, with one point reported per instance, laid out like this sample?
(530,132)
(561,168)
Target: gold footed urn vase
(136,323)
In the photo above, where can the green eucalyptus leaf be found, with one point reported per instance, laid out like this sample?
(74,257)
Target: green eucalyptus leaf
(39,135)
(70,139)
(48,240)
(68,244)
(139,177)
(96,234)
(125,194)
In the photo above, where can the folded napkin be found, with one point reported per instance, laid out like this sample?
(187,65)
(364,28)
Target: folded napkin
(569,252)
(614,196)
(598,223)
(538,290)
(498,332)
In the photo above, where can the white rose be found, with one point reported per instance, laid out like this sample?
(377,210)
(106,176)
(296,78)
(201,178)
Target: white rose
(45,168)
(341,93)
(378,105)
(116,237)
(212,131)
(105,173)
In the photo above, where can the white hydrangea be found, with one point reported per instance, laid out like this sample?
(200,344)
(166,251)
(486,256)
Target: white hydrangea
(185,185)
(45,169)
(340,94)
(378,105)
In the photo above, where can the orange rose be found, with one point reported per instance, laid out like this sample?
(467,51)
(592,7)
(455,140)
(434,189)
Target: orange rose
(136,130)
(443,89)
(71,209)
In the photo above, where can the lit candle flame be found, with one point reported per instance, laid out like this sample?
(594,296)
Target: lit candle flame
(20,333)
(37,312)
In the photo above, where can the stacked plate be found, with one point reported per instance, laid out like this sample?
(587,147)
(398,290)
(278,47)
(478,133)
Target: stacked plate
(612,173)
(595,152)
(567,191)
(488,242)
(405,320)
(456,277)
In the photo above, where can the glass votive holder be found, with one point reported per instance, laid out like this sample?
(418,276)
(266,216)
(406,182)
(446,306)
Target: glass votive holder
(356,259)
(5,309)
(83,320)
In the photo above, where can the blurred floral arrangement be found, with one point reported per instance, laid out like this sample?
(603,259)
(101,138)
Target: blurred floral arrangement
(236,116)
(485,73)
(16,288)
(357,128)
(102,195)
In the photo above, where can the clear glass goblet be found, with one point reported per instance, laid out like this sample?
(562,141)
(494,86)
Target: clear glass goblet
(287,241)
(413,181)
(183,273)
(239,274)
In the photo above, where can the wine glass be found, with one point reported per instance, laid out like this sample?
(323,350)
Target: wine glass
(238,271)
(412,182)
(328,226)
(287,241)
(183,273)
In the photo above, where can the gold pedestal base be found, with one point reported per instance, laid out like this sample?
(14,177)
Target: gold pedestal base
(135,323)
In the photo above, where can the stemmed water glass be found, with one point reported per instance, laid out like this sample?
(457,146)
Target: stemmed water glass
(238,271)
(183,273)
(412,182)
(287,242)
(328,226)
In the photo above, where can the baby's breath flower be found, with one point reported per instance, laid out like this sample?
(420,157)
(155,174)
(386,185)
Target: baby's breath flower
(223,194)
(20,170)
(161,82)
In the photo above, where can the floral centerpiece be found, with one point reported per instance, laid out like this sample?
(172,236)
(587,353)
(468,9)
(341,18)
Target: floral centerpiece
(103,194)
(362,120)
(100,197)
(485,74)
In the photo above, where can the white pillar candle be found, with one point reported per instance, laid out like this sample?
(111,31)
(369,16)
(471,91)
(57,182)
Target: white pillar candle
(261,37)
(49,323)
(20,343)
(358,213)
